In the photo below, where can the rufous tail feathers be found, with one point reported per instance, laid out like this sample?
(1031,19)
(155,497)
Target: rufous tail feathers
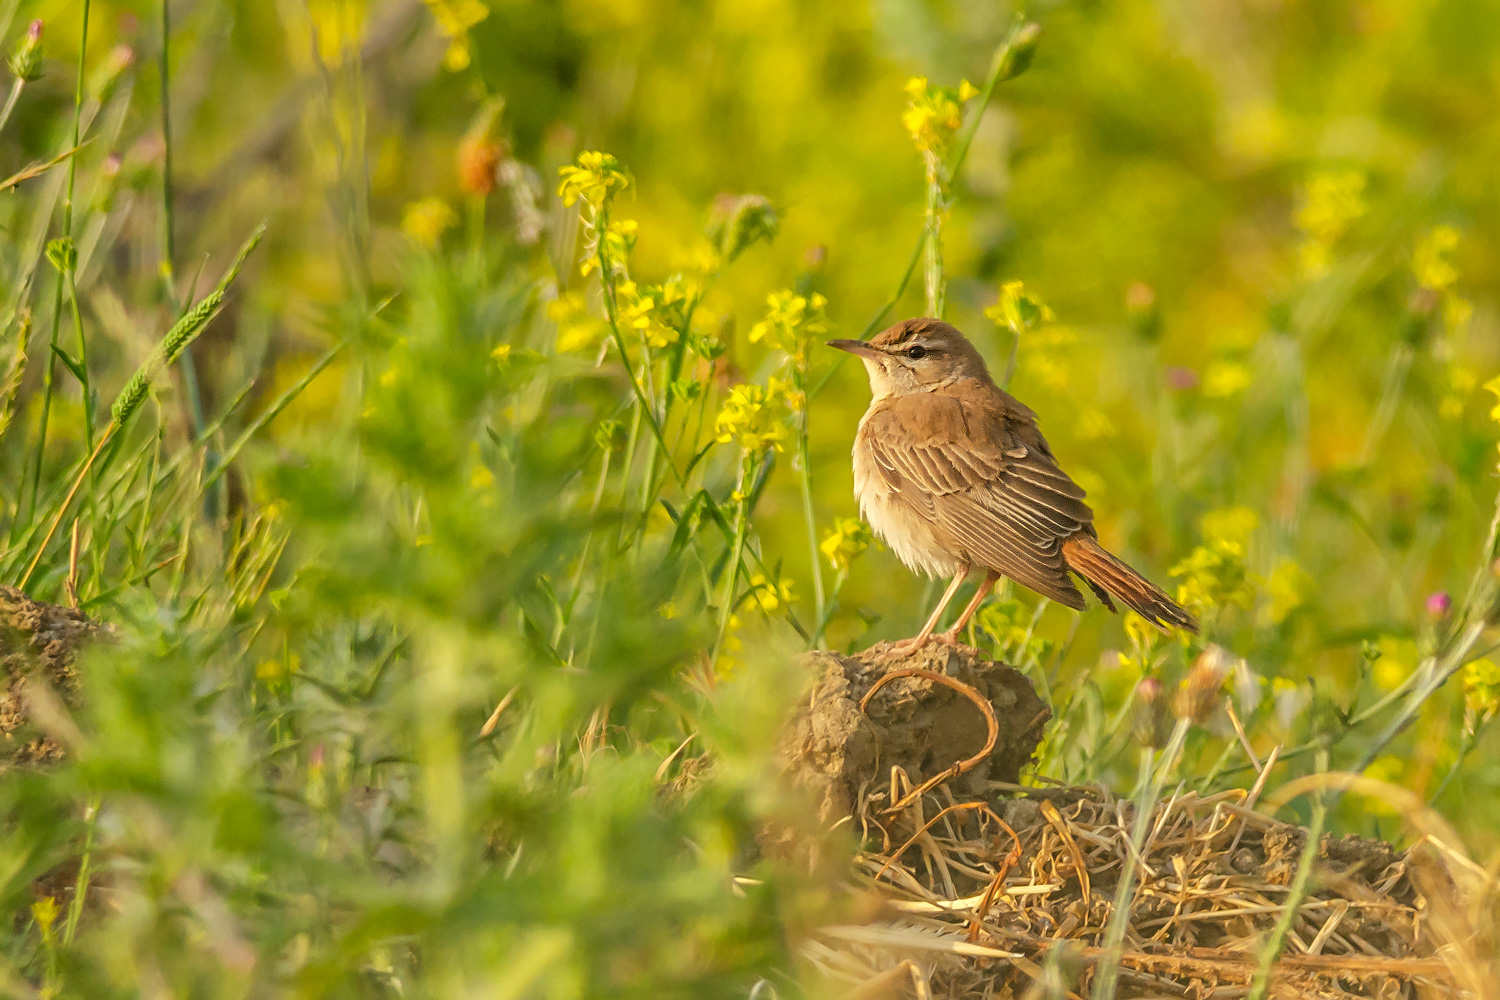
(1107,576)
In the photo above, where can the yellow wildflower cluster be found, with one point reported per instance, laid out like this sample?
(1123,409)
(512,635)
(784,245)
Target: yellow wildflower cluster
(1046,358)
(595,178)
(791,323)
(1435,273)
(425,221)
(579,328)
(770,595)
(656,312)
(1225,378)
(1216,574)
(1332,201)
(1430,262)
(754,415)
(934,114)
(1286,588)
(1481,691)
(1387,768)
(1018,310)
(1009,623)
(1460,384)
(613,244)
(455,18)
(1145,639)
(845,542)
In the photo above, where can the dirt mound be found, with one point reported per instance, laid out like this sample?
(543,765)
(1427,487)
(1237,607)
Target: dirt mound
(992,890)
(913,723)
(37,642)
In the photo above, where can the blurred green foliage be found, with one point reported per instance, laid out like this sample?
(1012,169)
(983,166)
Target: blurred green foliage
(1238,256)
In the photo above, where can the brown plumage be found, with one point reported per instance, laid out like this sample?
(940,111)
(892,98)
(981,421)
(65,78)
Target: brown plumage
(952,471)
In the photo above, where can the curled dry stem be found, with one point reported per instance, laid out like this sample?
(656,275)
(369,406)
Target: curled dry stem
(992,724)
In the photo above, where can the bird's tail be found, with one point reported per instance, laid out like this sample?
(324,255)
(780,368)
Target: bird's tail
(1107,575)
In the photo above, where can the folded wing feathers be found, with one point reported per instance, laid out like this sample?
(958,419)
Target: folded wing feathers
(1011,509)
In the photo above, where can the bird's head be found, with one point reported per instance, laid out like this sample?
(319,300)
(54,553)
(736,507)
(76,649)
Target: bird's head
(916,355)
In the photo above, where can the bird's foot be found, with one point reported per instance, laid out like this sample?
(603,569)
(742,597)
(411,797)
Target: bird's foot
(905,647)
(951,638)
(954,639)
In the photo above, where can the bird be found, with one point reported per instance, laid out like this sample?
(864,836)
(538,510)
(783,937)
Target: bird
(953,473)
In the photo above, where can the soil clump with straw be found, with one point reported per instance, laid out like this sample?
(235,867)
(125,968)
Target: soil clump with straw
(987,888)
(38,645)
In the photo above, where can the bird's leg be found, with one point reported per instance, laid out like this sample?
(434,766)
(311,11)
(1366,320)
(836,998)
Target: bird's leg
(951,636)
(907,645)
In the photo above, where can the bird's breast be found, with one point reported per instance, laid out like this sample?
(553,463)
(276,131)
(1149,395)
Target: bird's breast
(898,519)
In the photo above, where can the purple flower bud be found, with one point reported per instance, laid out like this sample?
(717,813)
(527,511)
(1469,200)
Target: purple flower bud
(1439,604)
(1148,690)
(26,61)
(1182,379)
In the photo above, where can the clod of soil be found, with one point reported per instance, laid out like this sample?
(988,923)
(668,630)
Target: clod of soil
(981,886)
(913,723)
(38,643)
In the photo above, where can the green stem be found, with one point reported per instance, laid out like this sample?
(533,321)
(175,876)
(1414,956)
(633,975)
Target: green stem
(1148,789)
(936,286)
(11,99)
(804,469)
(1002,68)
(736,556)
(1294,898)
(81,886)
(169,229)
(83,357)
(1470,741)
(57,299)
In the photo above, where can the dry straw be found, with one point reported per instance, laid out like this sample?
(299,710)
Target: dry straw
(1012,896)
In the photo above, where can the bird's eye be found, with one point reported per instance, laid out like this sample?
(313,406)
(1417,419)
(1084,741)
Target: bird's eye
(916,352)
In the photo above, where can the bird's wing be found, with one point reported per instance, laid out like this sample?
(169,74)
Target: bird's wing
(986,477)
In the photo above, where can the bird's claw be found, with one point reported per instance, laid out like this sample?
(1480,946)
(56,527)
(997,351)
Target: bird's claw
(905,647)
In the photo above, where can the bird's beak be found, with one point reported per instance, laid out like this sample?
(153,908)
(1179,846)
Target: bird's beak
(858,347)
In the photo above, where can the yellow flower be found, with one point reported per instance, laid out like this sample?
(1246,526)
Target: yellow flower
(272,671)
(1331,203)
(1493,386)
(769,596)
(1456,311)
(845,542)
(594,178)
(1226,378)
(1009,624)
(1215,574)
(1287,588)
(578,328)
(1018,310)
(1392,662)
(1482,688)
(1429,261)
(933,114)
(1387,768)
(752,416)
(655,312)
(1233,524)
(1143,635)
(617,241)
(425,221)
(45,911)
(791,323)
(455,18)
